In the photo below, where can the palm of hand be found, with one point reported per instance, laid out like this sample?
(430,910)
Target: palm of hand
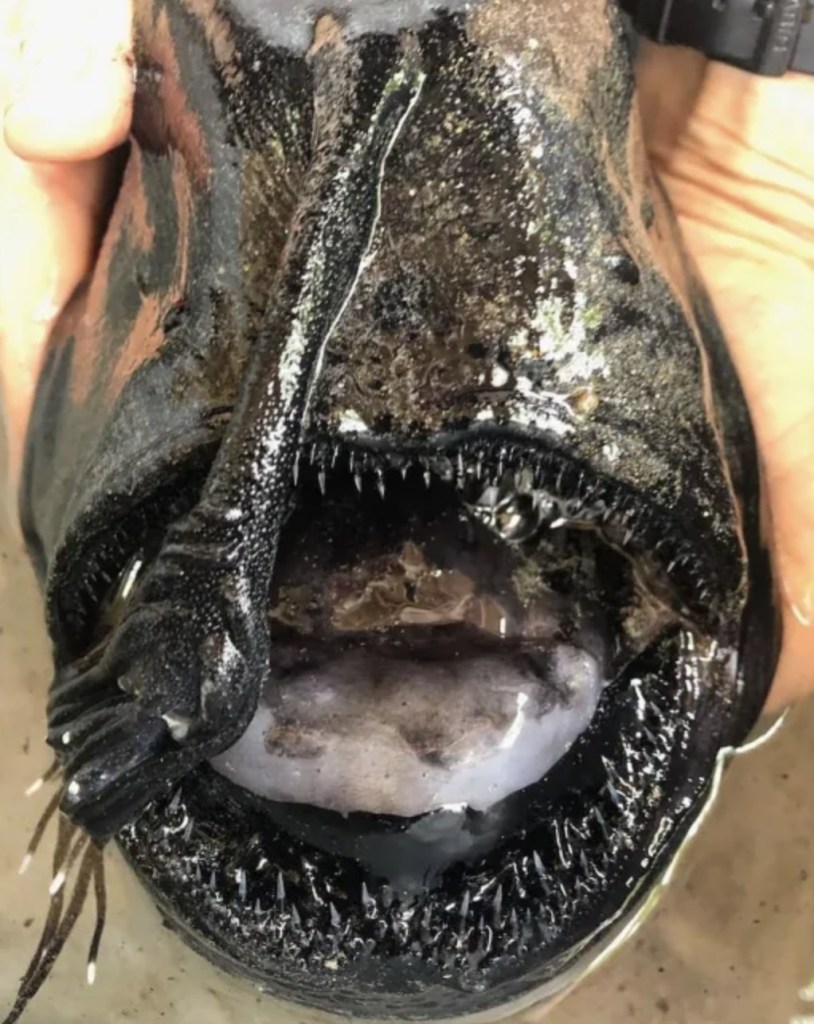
(734,155)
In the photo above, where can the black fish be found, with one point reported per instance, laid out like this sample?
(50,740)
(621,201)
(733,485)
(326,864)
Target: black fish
(391,432)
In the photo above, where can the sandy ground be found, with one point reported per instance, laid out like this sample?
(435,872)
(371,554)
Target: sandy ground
(732,941)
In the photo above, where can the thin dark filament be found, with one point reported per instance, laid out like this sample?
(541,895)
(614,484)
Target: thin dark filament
(78,847)
(52,771)
(72,845)
(100,893)
(66,830)
(65,833)
(40,969)
(42,824)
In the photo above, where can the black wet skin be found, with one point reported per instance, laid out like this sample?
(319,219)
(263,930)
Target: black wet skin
(440,241)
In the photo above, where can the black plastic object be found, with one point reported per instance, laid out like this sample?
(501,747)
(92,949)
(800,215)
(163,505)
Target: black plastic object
(766,37)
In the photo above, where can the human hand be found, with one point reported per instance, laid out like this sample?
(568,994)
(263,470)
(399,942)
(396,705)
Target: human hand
(736,154)
(741,181)
(65,103)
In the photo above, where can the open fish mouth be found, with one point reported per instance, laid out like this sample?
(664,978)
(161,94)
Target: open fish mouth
(490,715)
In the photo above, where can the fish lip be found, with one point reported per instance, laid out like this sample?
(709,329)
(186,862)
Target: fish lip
(444,442)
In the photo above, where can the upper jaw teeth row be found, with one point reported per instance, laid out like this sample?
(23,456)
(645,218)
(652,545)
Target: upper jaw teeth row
(505,496)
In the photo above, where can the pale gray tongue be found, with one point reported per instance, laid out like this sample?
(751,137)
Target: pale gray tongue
(403,737)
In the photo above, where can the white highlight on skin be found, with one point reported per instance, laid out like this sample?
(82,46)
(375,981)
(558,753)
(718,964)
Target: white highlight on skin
(543,410)
(516,727)
(291,25)
(350,735)
(500,377)
(352,423)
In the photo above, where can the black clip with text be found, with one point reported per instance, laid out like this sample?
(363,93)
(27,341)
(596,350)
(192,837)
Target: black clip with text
(766,37)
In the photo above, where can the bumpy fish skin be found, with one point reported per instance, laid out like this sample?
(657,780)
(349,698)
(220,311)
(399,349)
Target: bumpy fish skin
(519,218)
(525,283)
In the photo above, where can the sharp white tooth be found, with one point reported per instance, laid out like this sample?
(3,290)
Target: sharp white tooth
(404,471)
(296,470)
(479,470)
(524,480)
(490,498)
(380,484)
(427,477)
(357,479)
(461,468)
(321,479)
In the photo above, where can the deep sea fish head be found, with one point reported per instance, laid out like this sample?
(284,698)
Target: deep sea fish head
(395,504)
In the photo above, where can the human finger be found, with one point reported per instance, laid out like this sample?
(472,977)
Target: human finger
(71,83)
(669,80)
(50,212)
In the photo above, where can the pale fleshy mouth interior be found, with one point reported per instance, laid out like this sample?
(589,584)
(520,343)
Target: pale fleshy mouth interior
(437,643)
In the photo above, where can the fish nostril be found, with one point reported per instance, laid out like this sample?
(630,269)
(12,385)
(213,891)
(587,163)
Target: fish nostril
(623,266)
(403,303)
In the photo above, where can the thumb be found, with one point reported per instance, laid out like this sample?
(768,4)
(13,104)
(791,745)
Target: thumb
(65,100)
(71,83)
